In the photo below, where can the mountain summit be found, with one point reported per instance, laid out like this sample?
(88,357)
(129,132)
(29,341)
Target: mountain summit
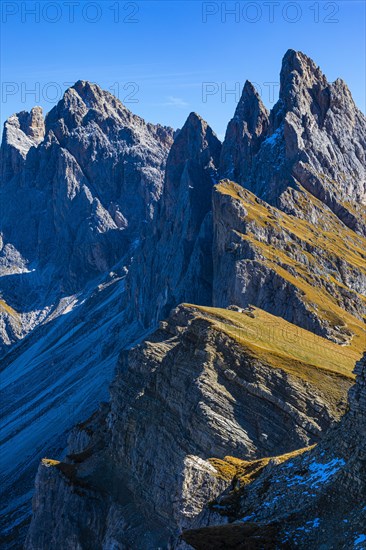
(305,144)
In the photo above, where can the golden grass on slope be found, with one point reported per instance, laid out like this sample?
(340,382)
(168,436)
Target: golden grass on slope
(322,303)
(5,307)
(49,462)
(281,344)
(341,242)
(325,367)
(10,311)
(244,471)
(313,244)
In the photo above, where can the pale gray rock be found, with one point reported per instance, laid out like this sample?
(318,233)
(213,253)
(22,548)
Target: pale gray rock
(21,132)
(81,187)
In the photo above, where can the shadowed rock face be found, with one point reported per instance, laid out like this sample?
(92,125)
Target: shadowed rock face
(175,260)
(244,135)
(86,186)
(306,140)
(81,187)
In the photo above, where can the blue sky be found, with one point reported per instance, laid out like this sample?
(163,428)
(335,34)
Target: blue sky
(165,59)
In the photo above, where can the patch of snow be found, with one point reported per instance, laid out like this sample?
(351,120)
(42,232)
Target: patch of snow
(360,540)
(247,518)
(271,140)
(319,473)
(322,472)
(314,523)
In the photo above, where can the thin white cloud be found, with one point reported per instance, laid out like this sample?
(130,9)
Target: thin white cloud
(173,101)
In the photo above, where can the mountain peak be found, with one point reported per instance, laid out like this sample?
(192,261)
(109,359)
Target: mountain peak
(244,135)
(251,109)
(82,98)
(89,92)
(298,61)
(297,71)
(195,121)
(196,135)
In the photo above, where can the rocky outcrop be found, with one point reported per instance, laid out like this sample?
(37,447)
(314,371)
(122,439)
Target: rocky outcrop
(244,136)
(138,474)
(81,187)
(313,500)
(306,142)
(88,188)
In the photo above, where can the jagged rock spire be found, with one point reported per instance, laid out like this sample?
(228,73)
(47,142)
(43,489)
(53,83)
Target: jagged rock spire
(303,88)
(179,254)
(244,135)
(305,140)
(196,152)
(251,110)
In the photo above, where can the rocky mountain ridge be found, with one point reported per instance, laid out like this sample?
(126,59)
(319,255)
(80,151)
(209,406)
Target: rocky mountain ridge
(142,223)
(144,460)
(82,185)
(304,140)
(311,274)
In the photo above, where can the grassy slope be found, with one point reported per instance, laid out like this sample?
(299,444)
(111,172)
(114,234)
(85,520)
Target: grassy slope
(306,241)
(246,471)
(280,343)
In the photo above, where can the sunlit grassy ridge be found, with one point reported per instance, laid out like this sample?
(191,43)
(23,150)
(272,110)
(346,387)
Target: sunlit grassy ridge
(296,250)
(10,311)
(245,471)
(341,242)
(282,344)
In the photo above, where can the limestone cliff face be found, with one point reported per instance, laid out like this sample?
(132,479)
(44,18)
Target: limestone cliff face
(304,141)
(313,500)
(21,132)
(174,263)
(86,190)
(137,473)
